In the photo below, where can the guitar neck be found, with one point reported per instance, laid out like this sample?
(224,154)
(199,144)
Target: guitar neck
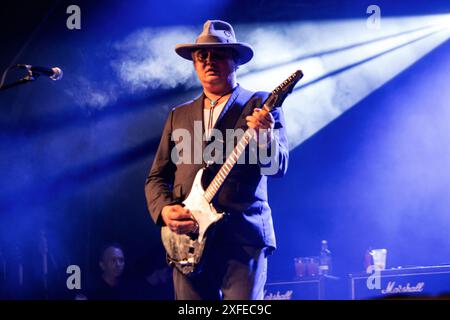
(225,169)
(275,98)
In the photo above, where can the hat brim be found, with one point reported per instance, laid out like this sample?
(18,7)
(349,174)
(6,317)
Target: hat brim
(245,51)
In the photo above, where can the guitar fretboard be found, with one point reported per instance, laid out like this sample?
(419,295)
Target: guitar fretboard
(277,96)
(220,177)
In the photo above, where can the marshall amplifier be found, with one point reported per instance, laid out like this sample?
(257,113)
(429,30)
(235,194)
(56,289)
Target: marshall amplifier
(429,281)
(307,288)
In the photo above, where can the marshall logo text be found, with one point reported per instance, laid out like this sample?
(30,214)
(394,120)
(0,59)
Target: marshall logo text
(391,288)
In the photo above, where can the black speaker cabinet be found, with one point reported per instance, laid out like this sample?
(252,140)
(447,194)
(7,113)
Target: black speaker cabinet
(307,288)
(428,281)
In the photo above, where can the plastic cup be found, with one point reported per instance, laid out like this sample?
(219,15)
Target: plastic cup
(300,267)
(379,258)
(312,267)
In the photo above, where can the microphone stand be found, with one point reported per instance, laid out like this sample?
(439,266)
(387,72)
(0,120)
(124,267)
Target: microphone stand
(43,248)
(28,78)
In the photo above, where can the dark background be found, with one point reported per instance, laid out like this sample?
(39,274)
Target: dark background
(377,176)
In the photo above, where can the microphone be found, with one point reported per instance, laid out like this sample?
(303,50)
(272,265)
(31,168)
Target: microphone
(54,73)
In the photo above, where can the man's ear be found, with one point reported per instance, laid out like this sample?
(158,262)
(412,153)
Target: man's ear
(236,60)
(102,265)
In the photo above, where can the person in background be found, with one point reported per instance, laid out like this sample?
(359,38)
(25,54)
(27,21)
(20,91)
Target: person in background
(111,284)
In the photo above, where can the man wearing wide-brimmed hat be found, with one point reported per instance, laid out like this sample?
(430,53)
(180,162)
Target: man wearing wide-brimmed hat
(235,264)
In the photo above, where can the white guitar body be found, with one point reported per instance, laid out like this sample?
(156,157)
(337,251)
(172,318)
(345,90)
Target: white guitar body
(185,251)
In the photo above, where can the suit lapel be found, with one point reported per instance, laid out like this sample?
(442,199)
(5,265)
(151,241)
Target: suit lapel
(195,126)
(197,111)
(232,110)
(231,115)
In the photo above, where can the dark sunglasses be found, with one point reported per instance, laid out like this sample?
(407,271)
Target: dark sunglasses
(217,54)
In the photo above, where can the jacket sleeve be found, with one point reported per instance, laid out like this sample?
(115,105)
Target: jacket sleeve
(159,182)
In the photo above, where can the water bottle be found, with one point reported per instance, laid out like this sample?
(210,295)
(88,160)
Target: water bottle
(325,259)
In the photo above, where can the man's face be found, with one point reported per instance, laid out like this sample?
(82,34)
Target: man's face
(113,262)
(214,66)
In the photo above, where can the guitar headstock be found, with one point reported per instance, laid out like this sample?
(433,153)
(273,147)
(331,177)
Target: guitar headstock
(280,93)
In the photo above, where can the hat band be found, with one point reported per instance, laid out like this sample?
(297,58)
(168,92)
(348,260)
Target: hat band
(211,39)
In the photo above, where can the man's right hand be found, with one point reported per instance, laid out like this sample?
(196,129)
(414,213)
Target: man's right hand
(178,219)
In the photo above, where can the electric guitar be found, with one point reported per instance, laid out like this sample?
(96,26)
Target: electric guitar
(185,251)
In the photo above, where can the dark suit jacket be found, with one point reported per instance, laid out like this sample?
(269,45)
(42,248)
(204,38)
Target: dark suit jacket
(244,193)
